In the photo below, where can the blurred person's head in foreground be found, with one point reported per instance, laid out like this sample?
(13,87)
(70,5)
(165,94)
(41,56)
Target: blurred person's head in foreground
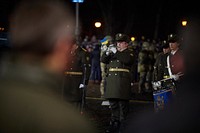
(31,92)
(41,31)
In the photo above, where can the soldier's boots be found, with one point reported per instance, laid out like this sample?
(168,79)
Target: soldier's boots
(113,127)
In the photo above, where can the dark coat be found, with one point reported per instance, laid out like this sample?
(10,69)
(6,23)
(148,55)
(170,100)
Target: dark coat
(79,63)
(160,67)
(118,83)
(161,72)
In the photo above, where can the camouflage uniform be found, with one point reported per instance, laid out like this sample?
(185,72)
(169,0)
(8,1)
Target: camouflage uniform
(106,41)
(143,66)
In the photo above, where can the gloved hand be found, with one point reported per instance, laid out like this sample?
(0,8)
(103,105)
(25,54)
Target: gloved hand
(108,51)
(175,77)
(104,48)
(156,85)
(113,50)
(132,83)
(81,86)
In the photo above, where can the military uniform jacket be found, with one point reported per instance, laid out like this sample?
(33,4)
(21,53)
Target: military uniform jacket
(161,72)
(77,72)
(160,67)
(143,61)
(176,62)
(118,80)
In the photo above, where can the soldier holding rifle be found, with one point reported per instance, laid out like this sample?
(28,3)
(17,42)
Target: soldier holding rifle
(76,76)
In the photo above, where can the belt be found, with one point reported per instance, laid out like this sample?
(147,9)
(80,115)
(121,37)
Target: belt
(73,73)
(118,70)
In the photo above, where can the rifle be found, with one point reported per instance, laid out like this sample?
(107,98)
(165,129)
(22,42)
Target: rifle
(83,90)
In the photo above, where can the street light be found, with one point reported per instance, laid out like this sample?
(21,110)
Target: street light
(132,39)
(77,32)
(97,24)
(184,23)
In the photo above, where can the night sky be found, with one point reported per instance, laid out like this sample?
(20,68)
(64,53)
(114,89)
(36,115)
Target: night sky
(153,19)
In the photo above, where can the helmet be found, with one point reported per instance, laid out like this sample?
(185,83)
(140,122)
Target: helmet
(145,45)
(122,37)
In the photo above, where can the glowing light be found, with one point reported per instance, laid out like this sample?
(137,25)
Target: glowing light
(184,23)
(132,38)
(97,24)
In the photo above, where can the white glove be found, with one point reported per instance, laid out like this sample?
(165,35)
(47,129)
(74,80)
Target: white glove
(175,77)
(156,85)
(113,49)
(108,51)
(104,48)
(132,84)
(81,86)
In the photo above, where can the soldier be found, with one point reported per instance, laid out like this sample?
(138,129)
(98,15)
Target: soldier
(119,62)
(77,74)
(144,66)
(160,67)
(162,88)
(105,42)
(175,60)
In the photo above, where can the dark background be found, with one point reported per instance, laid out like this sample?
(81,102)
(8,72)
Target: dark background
(153,19)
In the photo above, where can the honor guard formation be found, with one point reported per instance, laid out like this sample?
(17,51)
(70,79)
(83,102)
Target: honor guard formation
(47,72)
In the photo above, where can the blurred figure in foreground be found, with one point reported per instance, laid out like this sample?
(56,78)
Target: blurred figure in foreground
(30,93)
(182,116)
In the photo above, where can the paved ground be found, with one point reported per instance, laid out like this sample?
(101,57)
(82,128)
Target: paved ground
(100,115)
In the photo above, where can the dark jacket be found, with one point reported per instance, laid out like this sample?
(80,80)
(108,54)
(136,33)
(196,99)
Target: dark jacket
(160,67)
(77,72)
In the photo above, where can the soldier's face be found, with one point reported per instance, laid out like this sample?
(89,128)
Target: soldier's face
(173,46)
(166,50)
(122,46)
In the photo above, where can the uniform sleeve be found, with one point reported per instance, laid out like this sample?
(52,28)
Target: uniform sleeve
(155,68)
(105,58)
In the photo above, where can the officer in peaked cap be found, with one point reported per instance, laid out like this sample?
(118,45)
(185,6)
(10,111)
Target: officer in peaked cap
(175,60)
(119,60)
(122,37)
